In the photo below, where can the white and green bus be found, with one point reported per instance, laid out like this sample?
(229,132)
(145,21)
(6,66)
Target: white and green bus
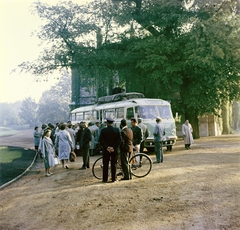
(127,106)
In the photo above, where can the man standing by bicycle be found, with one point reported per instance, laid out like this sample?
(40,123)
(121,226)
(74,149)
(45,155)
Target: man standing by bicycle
(137,138)
(158,133)
(126,148)
(110,140)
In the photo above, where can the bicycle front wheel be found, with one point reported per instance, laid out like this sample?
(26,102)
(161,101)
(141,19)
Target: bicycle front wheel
(97,168)
(141,165)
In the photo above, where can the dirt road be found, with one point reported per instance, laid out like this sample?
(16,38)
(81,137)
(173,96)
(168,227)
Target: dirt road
(192,189)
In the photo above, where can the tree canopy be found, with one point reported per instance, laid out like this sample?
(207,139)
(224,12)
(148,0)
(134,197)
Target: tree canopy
(184,51)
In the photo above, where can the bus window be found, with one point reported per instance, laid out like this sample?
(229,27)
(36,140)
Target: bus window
(87,115)
(130,113)
(120,113)
(79,116)
(147,112)
(110,113)
(94,115)
(73,117)
(165,111)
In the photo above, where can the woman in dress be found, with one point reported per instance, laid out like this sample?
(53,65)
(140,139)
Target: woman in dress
(64,145)
(48,151)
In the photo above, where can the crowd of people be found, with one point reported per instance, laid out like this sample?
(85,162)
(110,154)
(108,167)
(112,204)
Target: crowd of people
(88,138)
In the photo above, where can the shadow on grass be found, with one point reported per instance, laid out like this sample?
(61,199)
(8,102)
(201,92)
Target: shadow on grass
(13,162)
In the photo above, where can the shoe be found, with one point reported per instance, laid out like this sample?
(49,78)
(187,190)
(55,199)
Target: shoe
(156,162)
(88,167)
(82,168)
(47,175)
(66,167)
(124,179)
(104,181)
(51,173)
(114,181)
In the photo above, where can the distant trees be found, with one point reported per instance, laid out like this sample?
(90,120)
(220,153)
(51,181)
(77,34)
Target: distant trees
(9,114)
(53,106)
(28,111)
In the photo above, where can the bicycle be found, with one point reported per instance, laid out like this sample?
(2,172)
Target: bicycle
(140,165)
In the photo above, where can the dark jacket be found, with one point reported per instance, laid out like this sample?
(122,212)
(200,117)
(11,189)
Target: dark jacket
(78,135)
(137,135)
(110,136)
(86,137)
(127,139)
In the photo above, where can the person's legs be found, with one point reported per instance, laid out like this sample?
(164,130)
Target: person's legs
(125,165)
(161,152)
(88,160)
(141,147)
(85,153)
(62,163)
(66,162)
(106,158)
(137,150)
(114,165)
(157,150)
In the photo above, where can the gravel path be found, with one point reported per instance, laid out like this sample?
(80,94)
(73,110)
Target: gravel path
(192,189)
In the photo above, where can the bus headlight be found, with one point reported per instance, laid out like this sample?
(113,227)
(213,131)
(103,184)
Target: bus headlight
(174,132)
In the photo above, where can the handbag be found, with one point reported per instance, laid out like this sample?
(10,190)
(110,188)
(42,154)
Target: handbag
(72,156)
(56,161)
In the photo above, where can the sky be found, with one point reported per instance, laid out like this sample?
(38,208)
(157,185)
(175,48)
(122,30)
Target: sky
(16,46)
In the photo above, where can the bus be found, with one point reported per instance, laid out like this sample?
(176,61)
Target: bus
(129,105)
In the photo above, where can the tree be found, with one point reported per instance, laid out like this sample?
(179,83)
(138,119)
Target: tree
(54,103)
(188,53)
(28,111)
(194,52)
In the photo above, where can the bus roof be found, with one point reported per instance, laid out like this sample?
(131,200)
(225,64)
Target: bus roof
(126,103)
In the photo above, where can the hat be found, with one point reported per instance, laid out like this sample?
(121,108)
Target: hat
(158,118)
(110,120)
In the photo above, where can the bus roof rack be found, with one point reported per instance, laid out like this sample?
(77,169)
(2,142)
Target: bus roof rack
(120,97)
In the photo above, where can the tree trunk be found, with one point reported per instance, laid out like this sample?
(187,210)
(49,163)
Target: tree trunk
(226,119)
(194,121)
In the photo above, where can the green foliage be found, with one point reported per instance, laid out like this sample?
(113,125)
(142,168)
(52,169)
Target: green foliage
(184,51)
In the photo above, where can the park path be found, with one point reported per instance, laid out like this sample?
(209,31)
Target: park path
(193,189)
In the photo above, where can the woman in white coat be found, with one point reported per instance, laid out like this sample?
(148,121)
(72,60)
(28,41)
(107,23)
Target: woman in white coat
(64,145)
(48,151)
(187,134)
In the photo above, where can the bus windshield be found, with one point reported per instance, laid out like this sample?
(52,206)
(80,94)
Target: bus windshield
(152,111)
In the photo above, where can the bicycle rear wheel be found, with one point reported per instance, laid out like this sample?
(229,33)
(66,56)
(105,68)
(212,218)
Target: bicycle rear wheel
(141,165)
(97,168)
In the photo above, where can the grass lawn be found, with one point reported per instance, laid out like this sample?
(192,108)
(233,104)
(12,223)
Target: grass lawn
(4,131)
(13,162)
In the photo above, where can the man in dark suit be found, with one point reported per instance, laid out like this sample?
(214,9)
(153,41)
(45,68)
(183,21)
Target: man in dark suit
(126,148)
(86,137)
(137,135)
(110,140)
